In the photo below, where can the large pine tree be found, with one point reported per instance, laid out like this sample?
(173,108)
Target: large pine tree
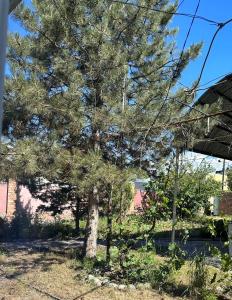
(87,82)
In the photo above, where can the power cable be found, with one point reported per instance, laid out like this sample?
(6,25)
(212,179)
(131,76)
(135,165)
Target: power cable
(167,12)
(194,119)
(173,77)
(200,111)
(220,27)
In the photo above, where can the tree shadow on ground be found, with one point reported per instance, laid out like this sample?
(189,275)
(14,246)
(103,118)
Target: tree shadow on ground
(23,262)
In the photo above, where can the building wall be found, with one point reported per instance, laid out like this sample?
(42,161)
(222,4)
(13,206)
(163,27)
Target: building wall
(8,196)
(30,204)
(225,206)
(218,178)
(136,203)
(27,202)
(3,198)
(14,197)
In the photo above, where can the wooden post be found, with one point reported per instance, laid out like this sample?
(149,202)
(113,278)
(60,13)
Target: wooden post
(109,224)
(223,174)
(175,195)
(230,238)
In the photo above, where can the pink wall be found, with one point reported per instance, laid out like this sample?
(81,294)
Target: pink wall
(3,198)
(27,201)
(138,198)
(31,204)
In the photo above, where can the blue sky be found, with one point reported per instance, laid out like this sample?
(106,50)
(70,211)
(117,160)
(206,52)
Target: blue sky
(219,62)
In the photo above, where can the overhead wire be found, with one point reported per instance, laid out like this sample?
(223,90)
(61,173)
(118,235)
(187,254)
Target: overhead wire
(167,12)
(220,26)
(193,16)
(174,75)
(194,119)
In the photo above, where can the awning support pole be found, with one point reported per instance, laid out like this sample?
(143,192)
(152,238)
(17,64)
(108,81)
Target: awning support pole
(4,9)
(230,238)
(223,174)
(175,196)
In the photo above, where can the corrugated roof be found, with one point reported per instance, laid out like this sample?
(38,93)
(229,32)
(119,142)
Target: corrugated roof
(13,4)
(140,184)
(218,141)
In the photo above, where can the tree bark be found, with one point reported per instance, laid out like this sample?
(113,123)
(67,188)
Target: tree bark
(90,250)
(109,227)
(90,245)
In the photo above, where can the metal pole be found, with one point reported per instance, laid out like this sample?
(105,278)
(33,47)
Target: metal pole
(176,189)
(230,238)
(223,174)
(4,9)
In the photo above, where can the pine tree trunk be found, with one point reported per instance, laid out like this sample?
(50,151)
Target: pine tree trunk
(90,246)
(92,225)
(109,227)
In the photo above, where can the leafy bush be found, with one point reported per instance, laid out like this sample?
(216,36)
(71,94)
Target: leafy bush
(29,227)
(215,228)
(196,186)
(200,280)
(4,228)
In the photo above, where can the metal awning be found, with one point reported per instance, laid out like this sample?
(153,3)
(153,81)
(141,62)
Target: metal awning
(13,4)
(218,142)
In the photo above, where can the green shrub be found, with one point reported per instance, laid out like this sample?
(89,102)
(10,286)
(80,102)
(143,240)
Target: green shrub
(200,280)
(4,228)
(24,226)
(215,228)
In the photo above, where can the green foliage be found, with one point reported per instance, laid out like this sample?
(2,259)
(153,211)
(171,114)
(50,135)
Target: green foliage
(138,265)
(86,81)
(215,227)
(3,251)
(196,186)
(155,202)
(160,276)
(23,226)
(199,278)
(78,78)
(225,258)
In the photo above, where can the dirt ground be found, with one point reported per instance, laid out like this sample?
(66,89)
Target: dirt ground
(31,275)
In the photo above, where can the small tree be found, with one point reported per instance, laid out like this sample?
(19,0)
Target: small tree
(57,197)
(196,186)
(155,202)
